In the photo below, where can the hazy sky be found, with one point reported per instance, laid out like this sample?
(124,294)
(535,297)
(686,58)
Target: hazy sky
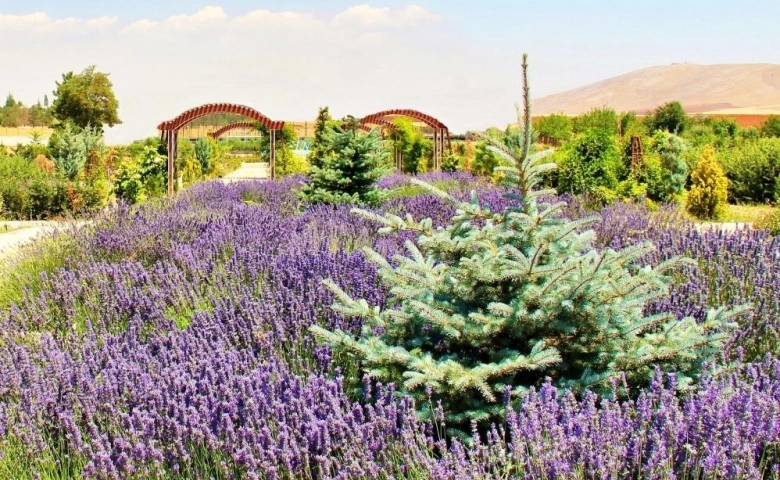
(457,61)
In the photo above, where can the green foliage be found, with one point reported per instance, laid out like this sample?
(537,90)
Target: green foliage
(591,161)
(485,160)
(669,117)
(31,193)
(349,173)
(70,146)
(602,119)
(770,221)
(670,148)
(718,132)
(203,153)
(557,127)
(410,141)
(771,126)
(142,177)
(188,168)
(317,150)
(450,162)
(709,194)
(496,302)
(86,98)
(753,170)
(630,125)
(651,174)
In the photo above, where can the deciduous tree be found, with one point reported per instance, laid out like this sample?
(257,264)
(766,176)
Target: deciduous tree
(86,98)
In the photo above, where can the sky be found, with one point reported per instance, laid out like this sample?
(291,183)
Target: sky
(457,61)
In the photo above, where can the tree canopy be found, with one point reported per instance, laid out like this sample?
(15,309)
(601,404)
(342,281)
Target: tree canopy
(86,98)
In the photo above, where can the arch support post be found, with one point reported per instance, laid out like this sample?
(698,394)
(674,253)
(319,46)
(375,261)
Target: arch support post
(172,137)
(272,154)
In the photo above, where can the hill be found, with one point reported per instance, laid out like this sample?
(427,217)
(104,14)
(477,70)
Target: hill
(744,89)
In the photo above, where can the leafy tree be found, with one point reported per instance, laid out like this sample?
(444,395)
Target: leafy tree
(557,126)
(350,173)
(669,117)
(630,125)
(86,99)
(602,119)
(592,162)
(670,147)
(496,302)
(11,113)
(771,126)
(709,193)
(753,170)
(415,148)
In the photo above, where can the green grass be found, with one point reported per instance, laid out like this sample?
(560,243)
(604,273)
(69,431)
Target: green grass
(21,269)
(746,213)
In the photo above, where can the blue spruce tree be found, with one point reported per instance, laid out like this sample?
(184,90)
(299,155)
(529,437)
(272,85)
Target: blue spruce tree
(497,302)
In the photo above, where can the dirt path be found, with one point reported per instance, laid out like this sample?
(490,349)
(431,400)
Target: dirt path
(247,171)
(14,238)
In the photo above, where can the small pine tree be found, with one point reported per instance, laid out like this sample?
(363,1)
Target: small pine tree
(496,302)
(709,193)
(348,174)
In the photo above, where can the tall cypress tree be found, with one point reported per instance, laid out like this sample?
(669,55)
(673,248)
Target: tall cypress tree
(496,302)
(318,146)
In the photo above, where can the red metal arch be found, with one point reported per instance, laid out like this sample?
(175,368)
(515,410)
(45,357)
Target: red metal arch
(212,108)
(231,126)
(380,123)
(432,122)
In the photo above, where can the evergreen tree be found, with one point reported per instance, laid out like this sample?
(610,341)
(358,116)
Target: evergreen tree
(709,193)
(675,172)
(318,146)
(203,154)
(496,302)
(348,174)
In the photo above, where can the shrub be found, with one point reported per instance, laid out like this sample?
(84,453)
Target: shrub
(651,174)
(555,127)
(602,119)
(709,194)
(203,153)
(590,161)
(495,303)
(771,126)
(753,170)
(69,149)
(770,221)
(485,161)
(141,178)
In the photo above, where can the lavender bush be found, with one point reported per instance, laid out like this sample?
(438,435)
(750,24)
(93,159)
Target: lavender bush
(173,344)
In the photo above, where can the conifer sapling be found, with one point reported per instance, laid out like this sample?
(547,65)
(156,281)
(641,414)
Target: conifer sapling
(496,302)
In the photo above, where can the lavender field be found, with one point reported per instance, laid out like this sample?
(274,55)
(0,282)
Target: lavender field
(173,343)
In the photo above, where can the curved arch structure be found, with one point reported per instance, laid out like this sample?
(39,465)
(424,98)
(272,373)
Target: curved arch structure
(231,126)
(169,130)
(212,108)
(441,134)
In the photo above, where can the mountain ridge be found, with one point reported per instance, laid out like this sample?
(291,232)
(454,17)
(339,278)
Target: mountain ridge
(750,88)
